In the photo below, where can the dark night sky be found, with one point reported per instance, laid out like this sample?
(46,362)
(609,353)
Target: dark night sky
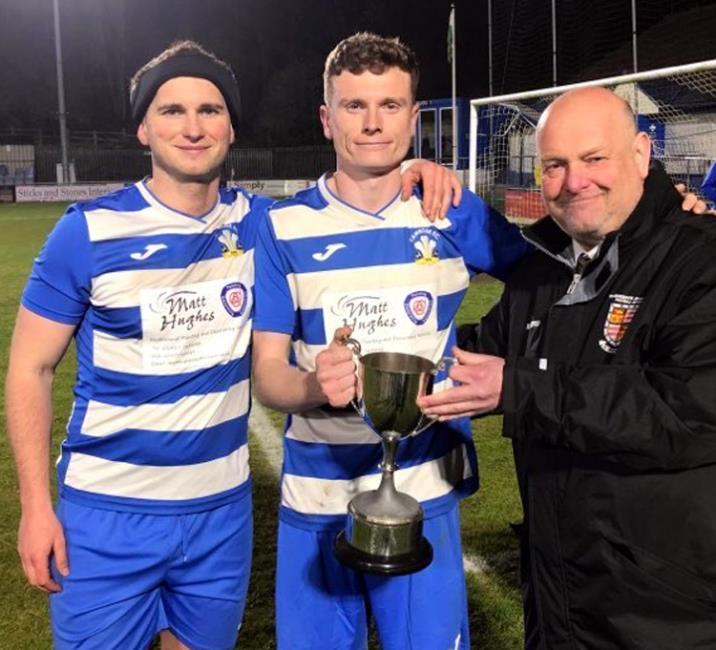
(277,48)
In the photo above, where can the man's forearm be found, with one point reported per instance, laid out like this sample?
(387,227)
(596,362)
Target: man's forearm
(286,388)
(29,423)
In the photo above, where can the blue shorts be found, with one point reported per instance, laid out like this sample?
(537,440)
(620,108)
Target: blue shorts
(321,605)
(132,575)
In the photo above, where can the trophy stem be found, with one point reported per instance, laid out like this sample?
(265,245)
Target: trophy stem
(390,447)
(386,489)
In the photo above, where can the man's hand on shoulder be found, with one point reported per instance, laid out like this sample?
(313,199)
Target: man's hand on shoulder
(40,539)
(441,186)
(479,388)
(691,202)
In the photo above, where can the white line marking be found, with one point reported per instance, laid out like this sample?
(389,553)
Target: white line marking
(475,564)
(28,218)
(270,440)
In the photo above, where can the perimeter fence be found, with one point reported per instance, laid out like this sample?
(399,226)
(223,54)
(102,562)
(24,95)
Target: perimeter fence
(27,158)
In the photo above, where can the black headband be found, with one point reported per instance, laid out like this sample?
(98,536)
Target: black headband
(185,64)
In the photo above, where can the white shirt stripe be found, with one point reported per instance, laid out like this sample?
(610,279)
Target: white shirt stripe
(156,220)
(121,288)
(450,275)
(318,426)
(118,479)
(294,224)
(194,411)
(430,480)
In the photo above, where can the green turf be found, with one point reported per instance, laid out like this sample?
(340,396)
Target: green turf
(493,594)
(24,622)
(494,599)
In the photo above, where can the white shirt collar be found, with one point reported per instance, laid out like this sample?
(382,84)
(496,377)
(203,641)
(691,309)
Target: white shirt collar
(578,249)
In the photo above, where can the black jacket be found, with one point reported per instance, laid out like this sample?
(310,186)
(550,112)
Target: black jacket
(609,396)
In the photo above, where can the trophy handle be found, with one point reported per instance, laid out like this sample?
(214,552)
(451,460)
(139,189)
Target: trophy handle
(354,346)
(444,364)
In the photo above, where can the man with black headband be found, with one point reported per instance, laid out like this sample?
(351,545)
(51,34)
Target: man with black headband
(154,282)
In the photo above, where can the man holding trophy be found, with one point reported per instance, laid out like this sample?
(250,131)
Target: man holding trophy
(347,257)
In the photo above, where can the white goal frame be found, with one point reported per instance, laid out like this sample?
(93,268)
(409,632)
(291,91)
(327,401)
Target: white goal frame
(515,98)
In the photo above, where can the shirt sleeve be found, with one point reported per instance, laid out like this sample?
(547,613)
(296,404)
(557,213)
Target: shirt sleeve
(275,309)
(486,240)
(708,186)
(259,206)
(60,282)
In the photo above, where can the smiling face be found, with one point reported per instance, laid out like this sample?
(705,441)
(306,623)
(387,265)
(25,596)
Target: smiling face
(593,163)
(188,129)
(371,119)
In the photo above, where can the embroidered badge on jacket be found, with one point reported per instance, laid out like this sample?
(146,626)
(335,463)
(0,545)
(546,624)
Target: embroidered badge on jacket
(622,310)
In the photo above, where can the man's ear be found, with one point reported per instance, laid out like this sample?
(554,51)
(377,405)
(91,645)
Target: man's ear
(414,113)
(233,135)
(324,114)
(642,153)
(142,134)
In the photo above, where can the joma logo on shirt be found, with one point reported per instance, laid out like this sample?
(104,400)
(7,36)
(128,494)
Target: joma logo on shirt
(148,251)
(323,255)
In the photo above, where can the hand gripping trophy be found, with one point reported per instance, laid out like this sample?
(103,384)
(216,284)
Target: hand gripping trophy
(384,529)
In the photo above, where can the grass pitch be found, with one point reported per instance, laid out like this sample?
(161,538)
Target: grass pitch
(488,543)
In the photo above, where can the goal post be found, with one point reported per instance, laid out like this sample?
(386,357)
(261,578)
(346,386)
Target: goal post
(676,106)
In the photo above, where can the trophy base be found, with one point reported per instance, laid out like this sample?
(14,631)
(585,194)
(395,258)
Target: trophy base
(383,565)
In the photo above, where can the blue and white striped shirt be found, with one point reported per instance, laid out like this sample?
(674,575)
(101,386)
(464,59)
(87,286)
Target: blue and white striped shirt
(398,281)
(162,302)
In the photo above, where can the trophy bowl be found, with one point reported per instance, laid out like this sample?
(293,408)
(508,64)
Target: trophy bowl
(384,527)
(392,382)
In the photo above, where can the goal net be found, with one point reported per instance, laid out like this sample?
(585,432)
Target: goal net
(675,106)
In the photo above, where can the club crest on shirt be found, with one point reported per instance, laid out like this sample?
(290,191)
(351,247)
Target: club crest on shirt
(418,306)
(233,297)
(622,310)
(426,244)
(229,240)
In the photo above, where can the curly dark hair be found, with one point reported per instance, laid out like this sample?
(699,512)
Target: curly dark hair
(366,51)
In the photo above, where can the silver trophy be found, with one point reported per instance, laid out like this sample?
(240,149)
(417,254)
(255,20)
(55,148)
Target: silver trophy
(384,529)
